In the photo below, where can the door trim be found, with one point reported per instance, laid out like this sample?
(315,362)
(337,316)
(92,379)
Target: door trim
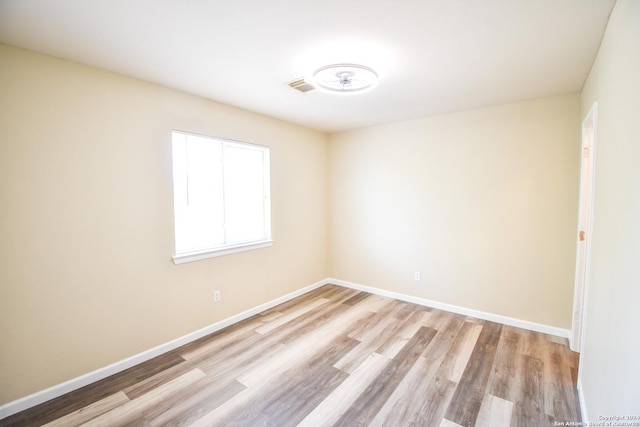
(585,227)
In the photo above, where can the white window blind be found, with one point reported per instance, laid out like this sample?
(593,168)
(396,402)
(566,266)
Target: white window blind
(221,196)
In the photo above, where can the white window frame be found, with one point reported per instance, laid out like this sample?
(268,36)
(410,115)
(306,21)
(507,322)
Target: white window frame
(180,182)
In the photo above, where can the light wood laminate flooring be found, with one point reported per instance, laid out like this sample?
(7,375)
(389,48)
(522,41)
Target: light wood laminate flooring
(337,357)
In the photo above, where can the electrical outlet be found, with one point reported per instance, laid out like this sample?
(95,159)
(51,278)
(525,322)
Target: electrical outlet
(416,275)
(216,296)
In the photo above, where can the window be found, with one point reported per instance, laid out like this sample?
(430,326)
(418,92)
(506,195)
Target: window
(221,197)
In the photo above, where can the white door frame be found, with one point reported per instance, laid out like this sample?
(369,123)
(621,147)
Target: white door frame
(585,227)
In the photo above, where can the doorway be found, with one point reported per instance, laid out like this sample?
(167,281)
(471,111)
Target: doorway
(585,222)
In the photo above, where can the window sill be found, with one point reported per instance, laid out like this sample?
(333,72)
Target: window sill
(227,250)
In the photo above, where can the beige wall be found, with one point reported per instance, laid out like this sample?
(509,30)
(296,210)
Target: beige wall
(483,203)
(86,276)
(609,364)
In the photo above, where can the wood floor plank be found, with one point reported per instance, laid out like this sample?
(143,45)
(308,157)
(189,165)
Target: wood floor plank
(503,380)
(441,320)
(558,384)
(92,393)
(372,327)
(434,393)
(379,304)
(91,411)
(446,423)
(255,349)
(240,358)
(338,356)
(130,412)
(403,401)
(365,408)
(466,401)
(305,321)
(219,340)
(460,351)
(246,407)
(336,404)
(532,344)
(330,292)
(439,347)
(290,315)
(528,409)
(310,322)
(494,412)
(286,401)
(202,398)
(335,293)
(393,308)
(357,298)
(440,392)
(352,360)
(407,310)
(286,357)
(403,332)
(386,337)
(144,386)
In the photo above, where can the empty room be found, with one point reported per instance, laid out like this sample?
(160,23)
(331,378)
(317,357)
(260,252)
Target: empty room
(331,213)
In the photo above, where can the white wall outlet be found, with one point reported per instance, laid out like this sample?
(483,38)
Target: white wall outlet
(216,296)
(416,275)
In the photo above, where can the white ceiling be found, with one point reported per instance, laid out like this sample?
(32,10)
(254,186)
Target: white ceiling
(432,56)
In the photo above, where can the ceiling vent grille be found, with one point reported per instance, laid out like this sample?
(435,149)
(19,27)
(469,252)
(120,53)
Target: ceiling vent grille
(302,86)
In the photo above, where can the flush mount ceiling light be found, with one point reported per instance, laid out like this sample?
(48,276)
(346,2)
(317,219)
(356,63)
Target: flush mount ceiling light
(345,78)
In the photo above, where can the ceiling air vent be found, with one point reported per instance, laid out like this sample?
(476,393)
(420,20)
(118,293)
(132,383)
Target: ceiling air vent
(302,86)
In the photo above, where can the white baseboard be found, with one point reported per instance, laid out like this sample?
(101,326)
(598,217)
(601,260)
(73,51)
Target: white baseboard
(524,324)
(27,402)
(37,398)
